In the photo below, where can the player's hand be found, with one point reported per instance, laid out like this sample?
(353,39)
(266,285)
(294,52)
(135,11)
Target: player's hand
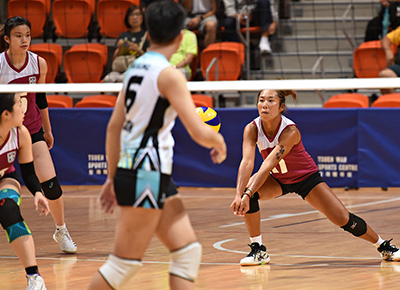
(107,199)
(194,22)
(240,205)
(48,137)
(218,153)
(41,204)
(217,156)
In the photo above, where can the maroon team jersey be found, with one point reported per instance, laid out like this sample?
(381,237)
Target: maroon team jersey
(8,152)
(297,164)
(28,74)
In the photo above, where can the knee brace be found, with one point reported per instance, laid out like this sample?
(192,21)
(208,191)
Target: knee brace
(185,262)
(117,271)
(11,220)
(52,189)
(11,194)
(356,225)
(254,206)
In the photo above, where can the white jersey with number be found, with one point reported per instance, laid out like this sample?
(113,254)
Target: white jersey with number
(146,139)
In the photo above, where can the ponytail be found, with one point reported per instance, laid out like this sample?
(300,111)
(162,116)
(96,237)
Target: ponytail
(283,94)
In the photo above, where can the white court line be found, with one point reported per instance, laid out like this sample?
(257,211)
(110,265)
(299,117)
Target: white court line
(285,215)
(218,246)
(204,263)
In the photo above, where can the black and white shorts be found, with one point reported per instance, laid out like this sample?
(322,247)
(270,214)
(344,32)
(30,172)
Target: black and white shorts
(142,188)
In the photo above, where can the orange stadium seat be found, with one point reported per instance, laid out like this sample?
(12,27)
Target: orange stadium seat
(369,59)
(52,53)
(101,48)
(97,101)
(72,17)
(111,16)
(35,11)
(201,100)
(227,56)
(352,96)
(59,101)
(85,63)
(387,101)
(344,103)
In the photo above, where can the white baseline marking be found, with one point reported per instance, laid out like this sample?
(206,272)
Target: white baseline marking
(218,246)
(285,215)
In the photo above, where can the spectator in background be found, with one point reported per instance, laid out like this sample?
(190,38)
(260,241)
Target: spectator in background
(201,16)
(186,53)
(130,44)
(261,13)
(388,19)
(393,69)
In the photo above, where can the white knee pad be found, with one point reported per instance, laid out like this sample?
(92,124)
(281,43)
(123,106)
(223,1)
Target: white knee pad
(117,271)
(185,262)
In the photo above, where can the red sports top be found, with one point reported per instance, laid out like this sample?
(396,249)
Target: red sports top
(8,152)
(297,164)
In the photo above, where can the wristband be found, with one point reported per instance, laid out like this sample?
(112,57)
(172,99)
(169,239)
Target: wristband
(250,191)
(246,194)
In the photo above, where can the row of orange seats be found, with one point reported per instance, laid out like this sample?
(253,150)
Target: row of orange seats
(72,17)
(355,100)
(85,63)
(94,101)
(108,101)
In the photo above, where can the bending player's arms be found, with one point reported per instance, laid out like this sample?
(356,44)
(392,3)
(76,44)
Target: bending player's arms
(179,97)
(246,165)
(25,159)
(289,137)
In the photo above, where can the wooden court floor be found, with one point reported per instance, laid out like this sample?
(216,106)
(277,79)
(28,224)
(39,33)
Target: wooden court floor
(307,251)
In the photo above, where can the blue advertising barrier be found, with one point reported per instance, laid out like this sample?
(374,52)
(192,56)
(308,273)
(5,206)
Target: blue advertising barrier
(352,147)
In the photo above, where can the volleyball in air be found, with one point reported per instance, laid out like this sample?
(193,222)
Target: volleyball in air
(210,117)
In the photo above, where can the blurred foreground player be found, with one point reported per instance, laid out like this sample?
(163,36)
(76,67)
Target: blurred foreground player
(139,149)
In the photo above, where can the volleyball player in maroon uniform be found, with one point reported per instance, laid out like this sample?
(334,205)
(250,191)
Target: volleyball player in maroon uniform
(20,66)
(287,167)
(15,142)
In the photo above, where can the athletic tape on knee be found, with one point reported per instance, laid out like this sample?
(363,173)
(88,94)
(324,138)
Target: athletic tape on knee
(52,189)
(254,206)
(356,225)
(117,271)
(185,262)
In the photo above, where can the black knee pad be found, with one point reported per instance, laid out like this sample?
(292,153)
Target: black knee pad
(356,225)
(52,189)
(254,206)
(9,213)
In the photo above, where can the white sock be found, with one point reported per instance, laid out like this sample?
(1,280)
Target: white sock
(257,239)
(61,227)
(264,39)
(379,242)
